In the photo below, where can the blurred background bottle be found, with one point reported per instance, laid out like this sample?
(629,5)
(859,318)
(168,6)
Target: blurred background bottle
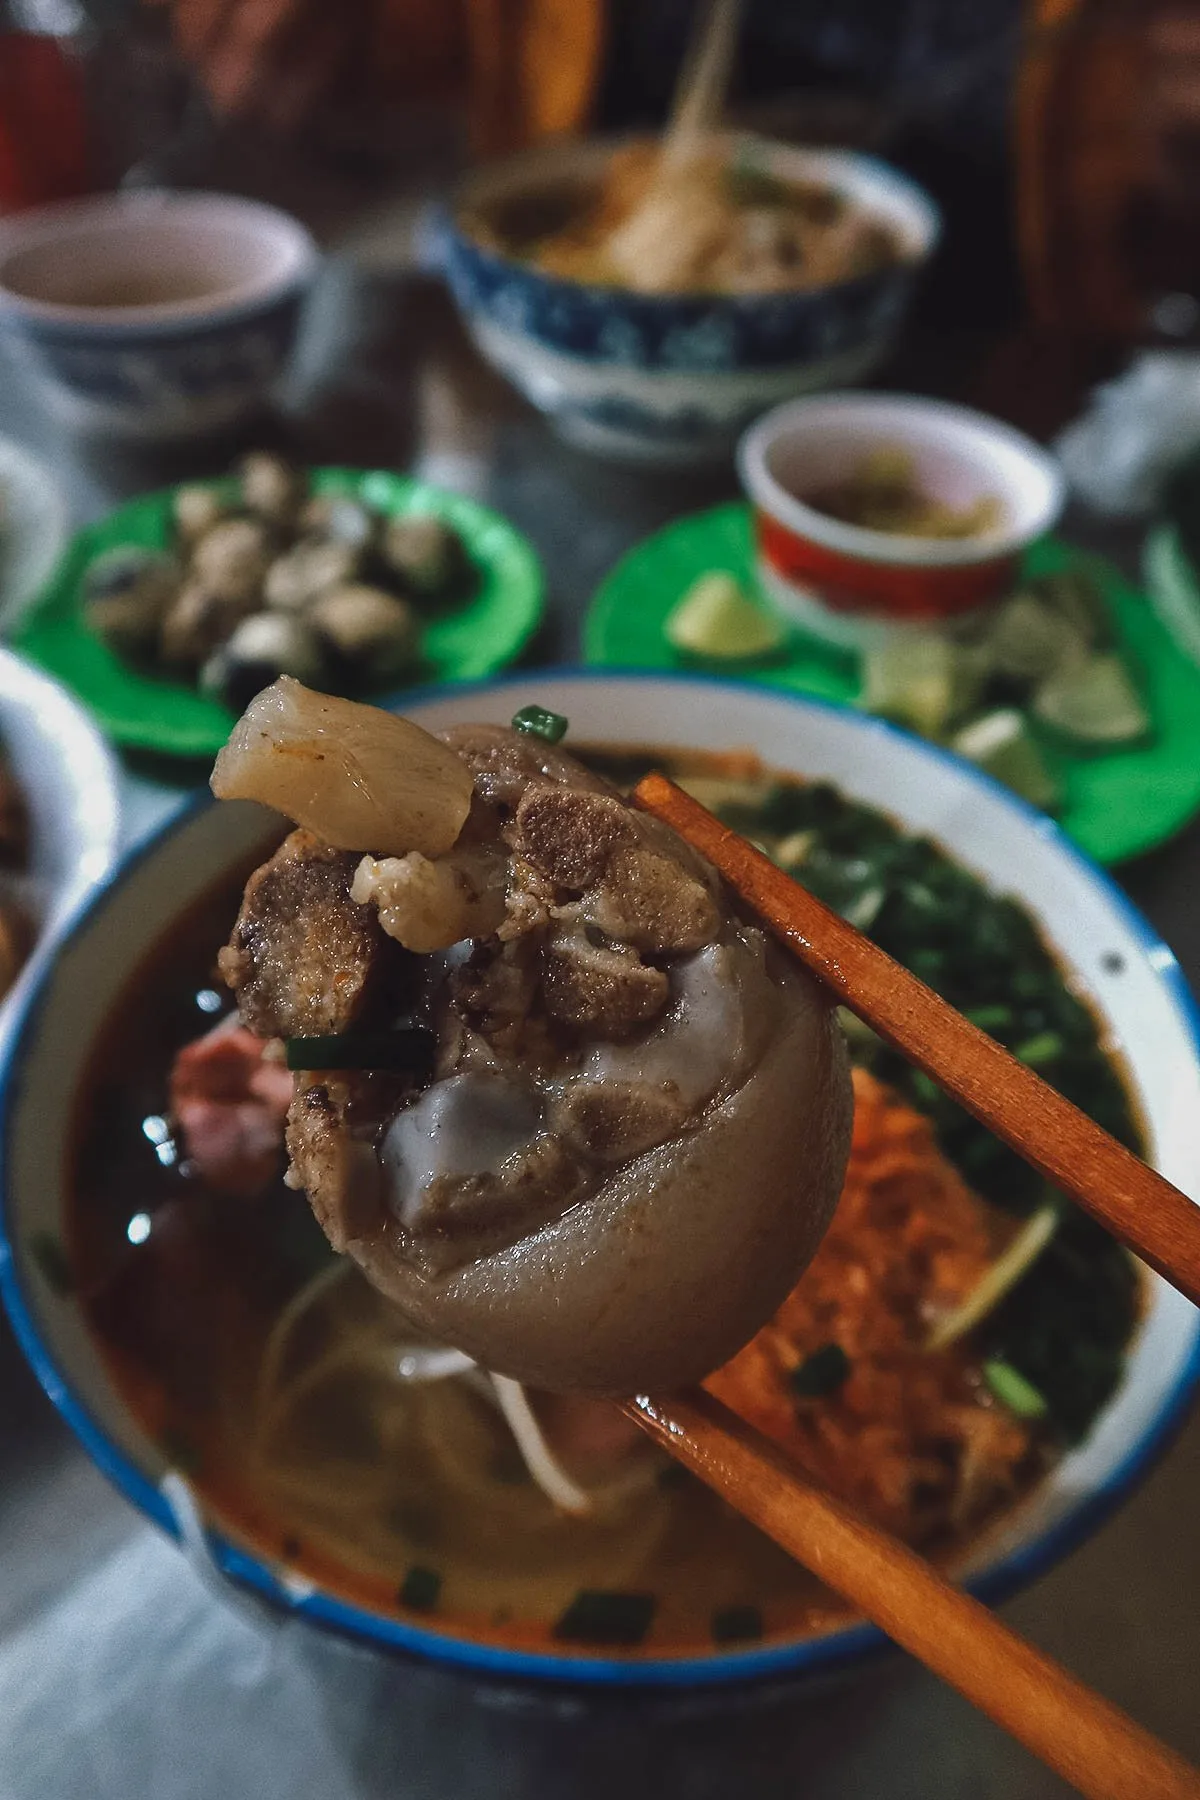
(44,149)
(1108,168)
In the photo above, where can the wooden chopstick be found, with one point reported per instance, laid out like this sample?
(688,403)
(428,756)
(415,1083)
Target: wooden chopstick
(1091,1743)
(1134,1202)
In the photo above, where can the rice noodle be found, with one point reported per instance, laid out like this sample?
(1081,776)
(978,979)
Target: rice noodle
(367,1351)
(911,1435)
(553,1480)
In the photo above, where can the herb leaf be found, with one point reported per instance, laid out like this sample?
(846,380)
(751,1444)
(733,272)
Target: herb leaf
(820,1374)
(540,722)
(408,1049)
(420,1589)
(599,1616)
(1013,1391)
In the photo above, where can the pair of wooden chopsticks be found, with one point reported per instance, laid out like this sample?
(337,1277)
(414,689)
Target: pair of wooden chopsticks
(1095,1746)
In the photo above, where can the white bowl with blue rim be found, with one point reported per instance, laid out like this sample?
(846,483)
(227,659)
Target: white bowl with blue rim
(153,315)
(674,378)
(70,783)
(1102,942)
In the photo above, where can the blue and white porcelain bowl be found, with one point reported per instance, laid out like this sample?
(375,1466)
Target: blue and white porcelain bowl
(675,378)
(151,315)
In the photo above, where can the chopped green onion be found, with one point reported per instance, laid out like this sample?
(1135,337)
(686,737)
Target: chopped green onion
(863,910)
(820,1374)
(540,722)
(925,1089)
(1013,1391)
(420,1589)
(990,1018)
(598,1616)
(1045,1047)
(736,1624)
(53,1261)
(408,1049)
(859,1035)
(997,1280)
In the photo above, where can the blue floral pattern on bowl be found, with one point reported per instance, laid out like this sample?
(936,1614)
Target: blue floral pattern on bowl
(140,366)
(677,377)
(698,333)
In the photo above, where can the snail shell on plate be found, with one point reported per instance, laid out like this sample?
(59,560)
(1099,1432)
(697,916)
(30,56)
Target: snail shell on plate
(195,509)
(309,569)
(425,554)
(196,622)
(340,519)
(374,635)
(231,559)
(271,487)
(261,649)
(126,592)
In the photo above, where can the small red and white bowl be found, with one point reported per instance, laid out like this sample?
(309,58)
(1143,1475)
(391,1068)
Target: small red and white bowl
(851,585)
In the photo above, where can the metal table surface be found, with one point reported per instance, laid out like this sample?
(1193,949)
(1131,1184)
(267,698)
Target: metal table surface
(120,1673)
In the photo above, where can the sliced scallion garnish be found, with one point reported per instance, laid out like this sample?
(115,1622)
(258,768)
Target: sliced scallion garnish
(602,1616)
(820,1374)
(540,722)
(1013,1391)
(420,1589)
(407,1049)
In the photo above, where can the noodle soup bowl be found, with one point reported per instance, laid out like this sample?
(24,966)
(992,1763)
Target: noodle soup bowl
(674,378)
(1104,946)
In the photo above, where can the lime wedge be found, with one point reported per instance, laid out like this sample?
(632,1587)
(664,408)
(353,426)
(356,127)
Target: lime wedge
(717,618)
(1002,743)
(1028,640)
(919,679)
(1094,702)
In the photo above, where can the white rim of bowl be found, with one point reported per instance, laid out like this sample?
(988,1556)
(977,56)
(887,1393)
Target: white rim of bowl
(880,546)
(297,256)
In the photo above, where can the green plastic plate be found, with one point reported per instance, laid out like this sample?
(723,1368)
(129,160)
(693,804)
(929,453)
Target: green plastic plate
(460,643)
(1118,803)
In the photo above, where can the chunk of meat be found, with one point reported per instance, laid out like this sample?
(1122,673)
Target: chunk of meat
(613,1121)
(428,904)
(228,1103)
(496,989)
(469,1216)
(646,899)
(640,886)
(571,835)
(460,1214)
(604,989)
(304,959)
(503,762)
(338,1171)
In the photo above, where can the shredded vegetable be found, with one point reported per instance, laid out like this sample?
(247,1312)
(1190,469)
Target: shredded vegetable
(908,1434)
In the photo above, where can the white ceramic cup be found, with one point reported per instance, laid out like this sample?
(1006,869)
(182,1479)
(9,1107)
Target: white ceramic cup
(154,315)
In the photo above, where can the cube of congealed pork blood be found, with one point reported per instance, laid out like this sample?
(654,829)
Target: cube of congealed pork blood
(633,1125)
